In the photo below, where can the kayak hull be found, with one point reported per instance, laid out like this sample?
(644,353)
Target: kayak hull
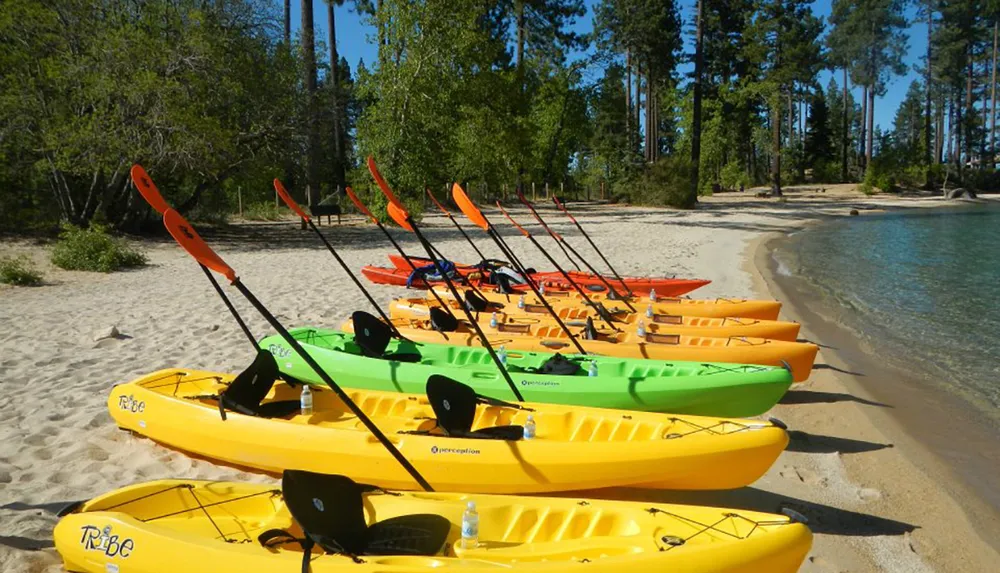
(574,449)
(730,390)
(531,534)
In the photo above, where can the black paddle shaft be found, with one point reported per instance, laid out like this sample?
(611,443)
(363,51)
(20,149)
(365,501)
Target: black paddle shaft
(414,268)
(229,305)
(468,313)
(492,232)
(357,283)
(333,385)
(593,246)
(564,243)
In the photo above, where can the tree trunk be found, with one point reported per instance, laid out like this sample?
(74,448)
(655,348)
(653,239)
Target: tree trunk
(776,147)
(638,102)
(519,10)
(309,56)
(928,85)
(628,98)
(969,109)
(699,64)
(791,124)
(959,123)
(950,155)
(845,132)
(649,116)
(871,126)
(993,101)
(338,142)
(939,133)
(288,22)
(864,127)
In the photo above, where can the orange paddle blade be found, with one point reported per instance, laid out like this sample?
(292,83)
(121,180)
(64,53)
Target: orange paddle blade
(512,221)
(434,199)
(465,204)
(400,216)
(361,206)
(148,189)
(187,237)
(283,193)
(386,190)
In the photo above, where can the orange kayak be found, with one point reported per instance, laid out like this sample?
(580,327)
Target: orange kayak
(629,321)
(530,334)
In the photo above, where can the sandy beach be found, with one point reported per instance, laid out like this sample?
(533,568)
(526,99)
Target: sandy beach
(878,498)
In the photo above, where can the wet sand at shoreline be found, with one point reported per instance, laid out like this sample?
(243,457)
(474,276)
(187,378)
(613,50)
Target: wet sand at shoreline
(873,507)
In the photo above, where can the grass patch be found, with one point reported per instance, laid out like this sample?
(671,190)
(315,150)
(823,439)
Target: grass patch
(94,250)
(19,271)
(267,211)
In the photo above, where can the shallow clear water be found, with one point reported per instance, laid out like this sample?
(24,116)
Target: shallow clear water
(921,290)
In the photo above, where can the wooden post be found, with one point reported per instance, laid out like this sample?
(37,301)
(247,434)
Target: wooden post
(239,199)
(602,190)
(533,196)
(546,189)
(561,193)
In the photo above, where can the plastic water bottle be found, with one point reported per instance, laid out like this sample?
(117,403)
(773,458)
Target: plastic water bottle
(649,311)
(541,288)
(306,400)
(529,428)
(592,370)
(641,330)
(493,321)
(470,527)
(652,294)
(520,302)
(502,355)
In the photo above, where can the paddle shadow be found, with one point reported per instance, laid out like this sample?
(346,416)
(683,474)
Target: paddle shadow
(817,397)
(26,543)
(824,366)
(818,444)
(822,518)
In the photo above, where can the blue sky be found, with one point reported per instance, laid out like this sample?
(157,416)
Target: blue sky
(355,42)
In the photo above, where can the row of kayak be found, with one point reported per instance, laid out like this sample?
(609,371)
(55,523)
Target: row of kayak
(444,394)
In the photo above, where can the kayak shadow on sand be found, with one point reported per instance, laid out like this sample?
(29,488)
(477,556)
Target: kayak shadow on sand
(25,543)
(818,444)
(822,518)
(817,397)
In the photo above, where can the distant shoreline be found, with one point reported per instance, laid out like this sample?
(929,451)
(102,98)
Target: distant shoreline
(953,443)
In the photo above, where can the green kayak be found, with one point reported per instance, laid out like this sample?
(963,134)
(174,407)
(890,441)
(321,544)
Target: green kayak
(716,389)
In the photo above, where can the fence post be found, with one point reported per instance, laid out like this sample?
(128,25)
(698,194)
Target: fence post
(533,196)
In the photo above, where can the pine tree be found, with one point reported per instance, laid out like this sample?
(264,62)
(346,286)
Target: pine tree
(818,140)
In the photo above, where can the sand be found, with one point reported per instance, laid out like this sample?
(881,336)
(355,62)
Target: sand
(873,508)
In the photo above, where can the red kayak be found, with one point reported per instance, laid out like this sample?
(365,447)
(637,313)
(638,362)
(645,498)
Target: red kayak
(399,275)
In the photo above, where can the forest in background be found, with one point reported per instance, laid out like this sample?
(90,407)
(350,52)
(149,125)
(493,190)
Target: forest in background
(216,98)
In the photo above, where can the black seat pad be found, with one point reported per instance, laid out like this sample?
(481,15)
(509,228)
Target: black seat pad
(559,365)
(454,406)
(371,334)
(330,510)
(250,387)
(442,321)
(403,357)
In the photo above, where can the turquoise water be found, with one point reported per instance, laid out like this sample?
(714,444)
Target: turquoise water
(920,290)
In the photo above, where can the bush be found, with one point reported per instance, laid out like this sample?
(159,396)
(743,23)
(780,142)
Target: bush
(19,271)
(666,182)
(826,171)
(95,250)
(733,175)
(266,211)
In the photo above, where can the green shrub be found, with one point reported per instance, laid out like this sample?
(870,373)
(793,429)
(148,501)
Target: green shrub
(733,175)
(19,271)
(826,171)
(666,182)
(266,211)
(93,249)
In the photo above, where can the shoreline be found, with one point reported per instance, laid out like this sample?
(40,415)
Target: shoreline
(920,425)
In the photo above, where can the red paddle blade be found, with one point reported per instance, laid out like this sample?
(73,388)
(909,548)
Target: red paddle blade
(468,207)
(148,189)
(434,199)
(400,216)
(538,217)
(361,206)
(283,193)
(512,221)
(188,238)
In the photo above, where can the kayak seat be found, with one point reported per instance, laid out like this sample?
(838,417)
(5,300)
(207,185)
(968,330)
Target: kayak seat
(372,336)
(476,303)
(559,365)
(330,511)
(454,405)
(442,321)
(589,331)
(245,394)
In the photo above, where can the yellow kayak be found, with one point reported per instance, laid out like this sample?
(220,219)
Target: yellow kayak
(197,526)
(711,308)
(534,335)
(630,321)
(575,448)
